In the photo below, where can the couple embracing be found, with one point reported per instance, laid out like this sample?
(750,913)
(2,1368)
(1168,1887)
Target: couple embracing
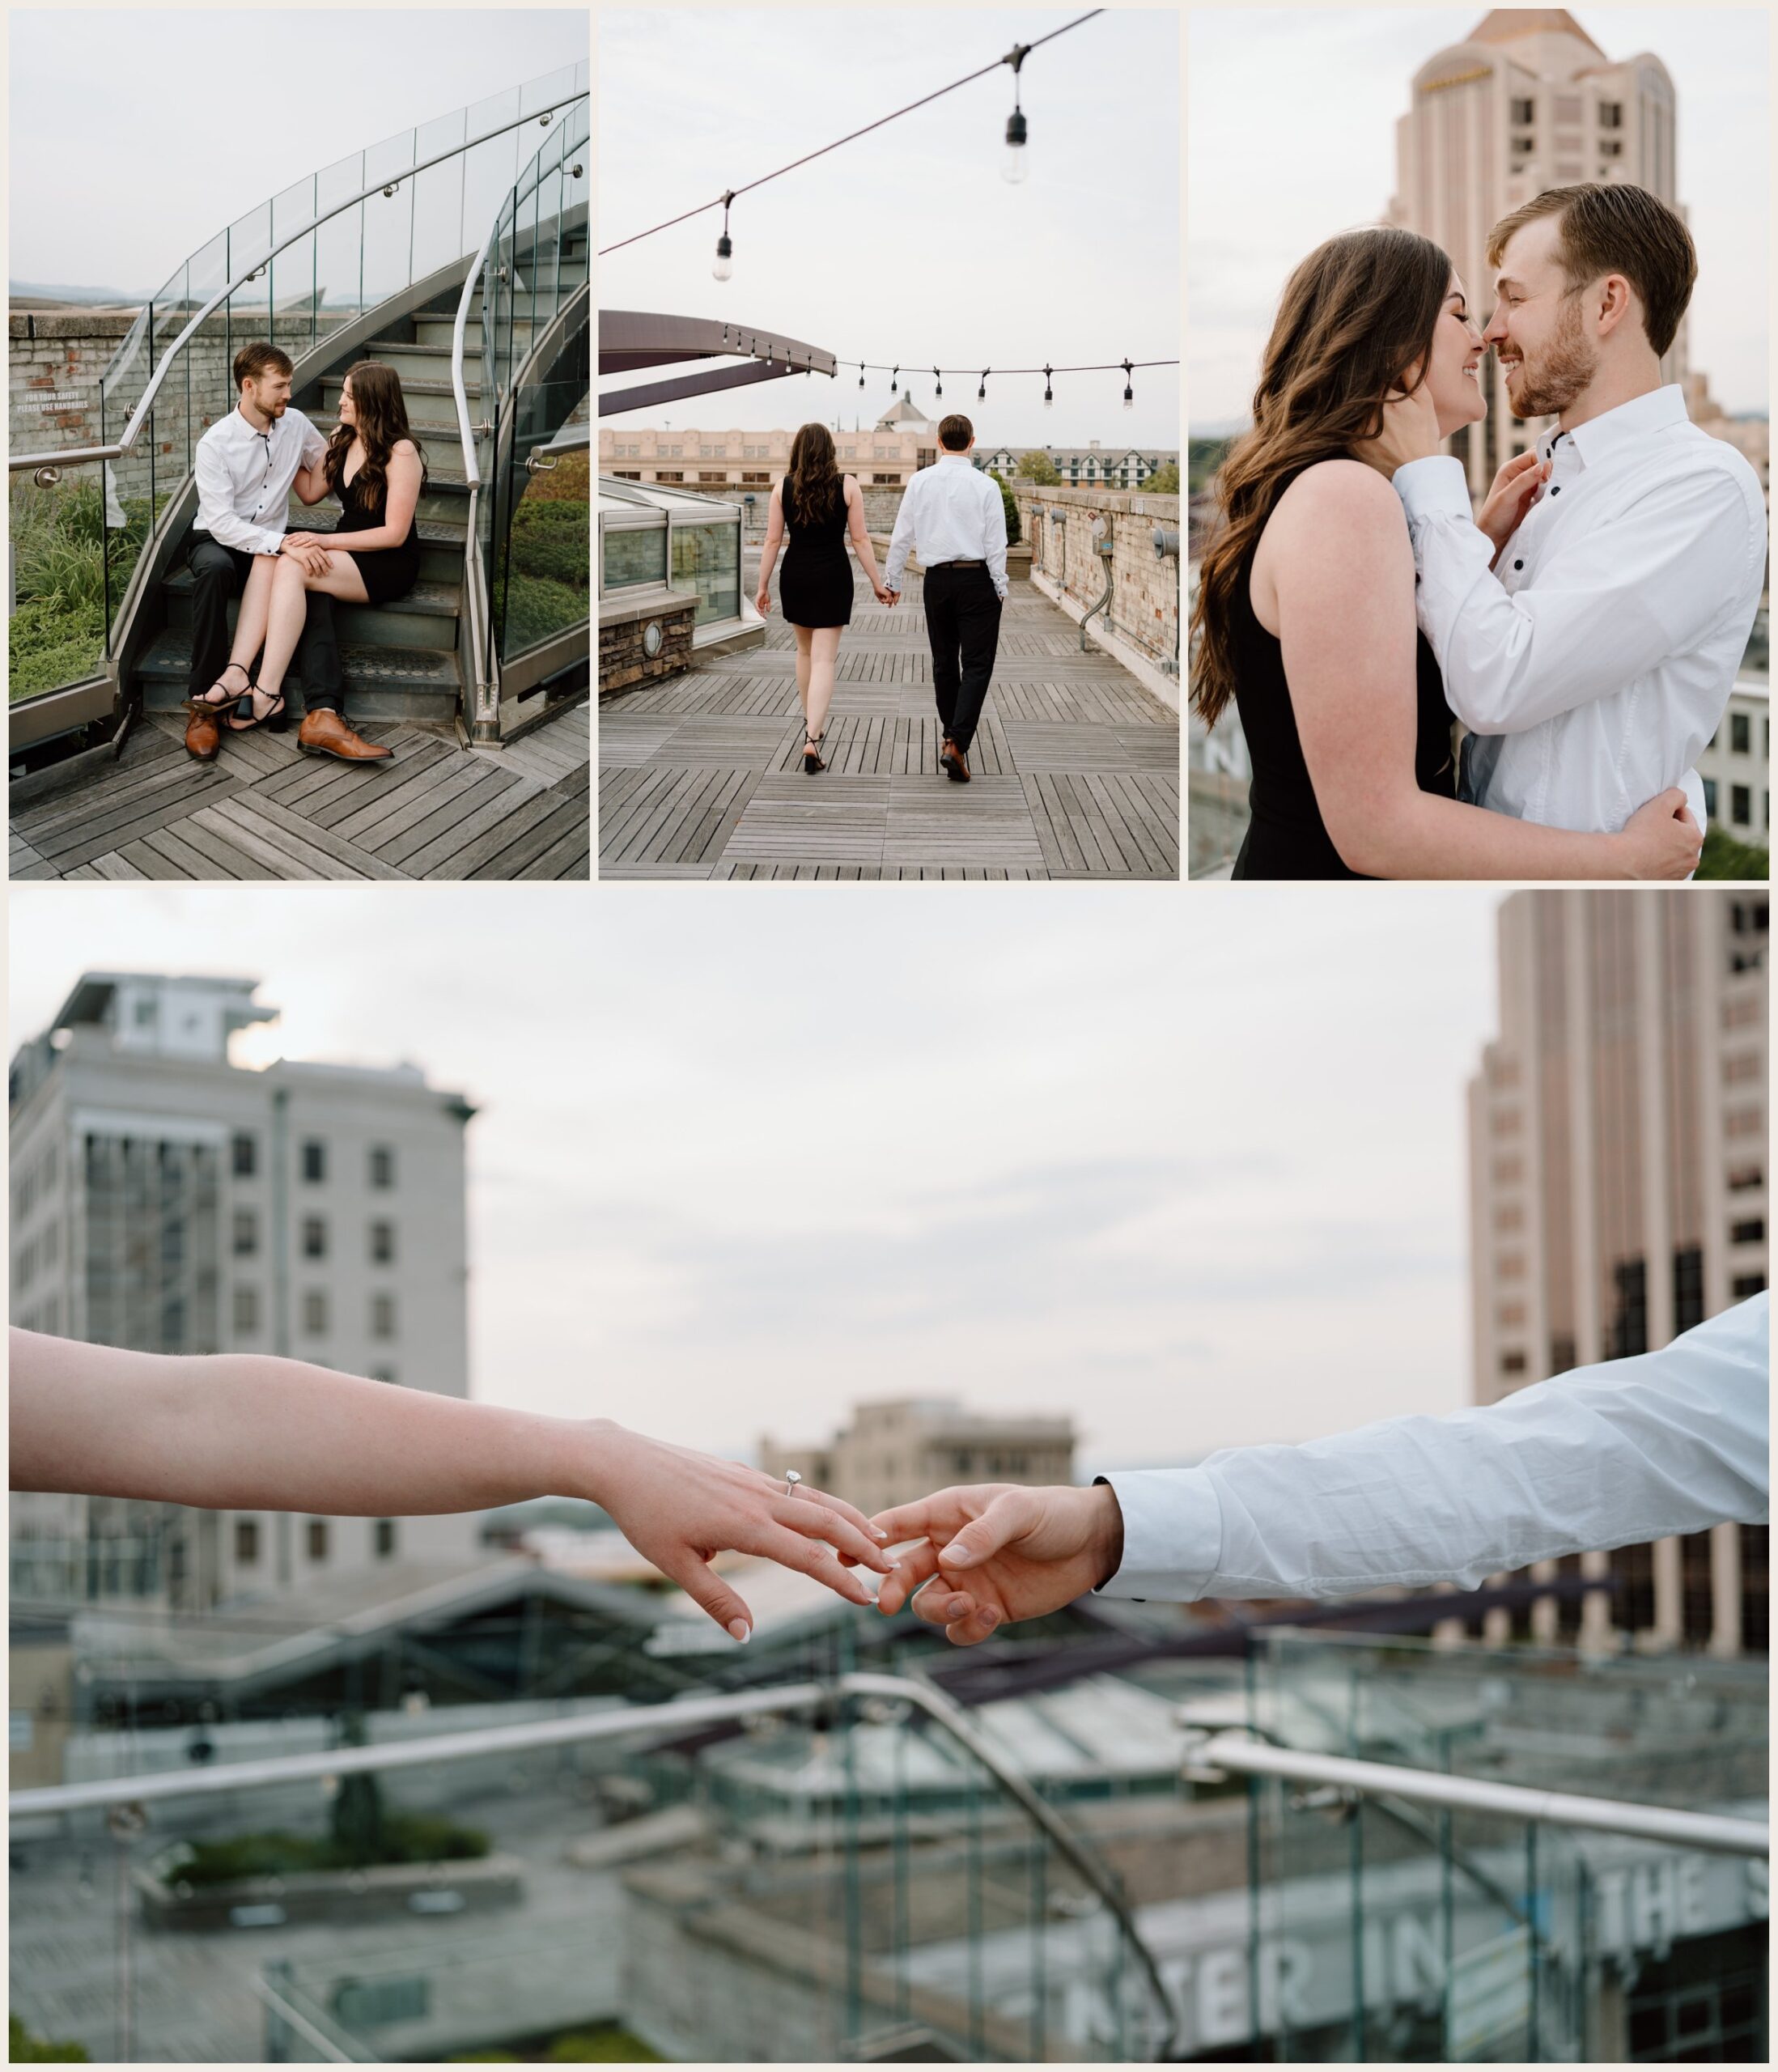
(246,466)
(951,517)
(1585,626)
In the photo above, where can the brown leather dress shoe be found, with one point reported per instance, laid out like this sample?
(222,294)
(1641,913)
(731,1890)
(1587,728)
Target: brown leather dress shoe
(203,738)
(956,766)
(323,733)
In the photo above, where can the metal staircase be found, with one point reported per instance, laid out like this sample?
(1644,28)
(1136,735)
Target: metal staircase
(459,254)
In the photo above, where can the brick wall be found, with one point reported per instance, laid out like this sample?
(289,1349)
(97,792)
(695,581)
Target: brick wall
(622,664)
(1145,586)
(54,363)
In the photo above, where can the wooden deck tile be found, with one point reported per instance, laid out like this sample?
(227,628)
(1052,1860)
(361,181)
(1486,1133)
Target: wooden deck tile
(1076,764)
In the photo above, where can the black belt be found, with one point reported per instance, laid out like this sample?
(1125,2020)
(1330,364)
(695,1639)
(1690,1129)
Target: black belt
(960,564)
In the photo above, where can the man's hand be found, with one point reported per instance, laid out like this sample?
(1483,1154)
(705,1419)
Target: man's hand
(892,598)
(993,1552)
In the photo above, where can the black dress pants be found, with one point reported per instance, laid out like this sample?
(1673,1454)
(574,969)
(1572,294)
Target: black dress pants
(963,625)
(220,573)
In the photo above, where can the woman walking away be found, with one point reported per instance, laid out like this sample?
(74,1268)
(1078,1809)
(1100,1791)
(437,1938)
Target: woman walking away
(816,507)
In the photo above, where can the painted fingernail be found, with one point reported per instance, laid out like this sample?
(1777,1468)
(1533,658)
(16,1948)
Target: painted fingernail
(741,1630)
(880,1533)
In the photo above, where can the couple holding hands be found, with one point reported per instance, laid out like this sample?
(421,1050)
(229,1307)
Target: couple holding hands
(1674,1441)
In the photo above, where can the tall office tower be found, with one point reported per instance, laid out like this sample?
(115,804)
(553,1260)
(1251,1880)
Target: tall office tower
(1619,1191)
(165,1199)
(1527,101)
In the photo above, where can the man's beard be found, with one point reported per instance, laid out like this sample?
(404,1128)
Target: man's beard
(1565,368)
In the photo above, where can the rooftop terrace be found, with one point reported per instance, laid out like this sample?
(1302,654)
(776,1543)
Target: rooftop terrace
(1076,764)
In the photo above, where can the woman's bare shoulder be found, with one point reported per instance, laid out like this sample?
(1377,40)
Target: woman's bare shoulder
(1342,488)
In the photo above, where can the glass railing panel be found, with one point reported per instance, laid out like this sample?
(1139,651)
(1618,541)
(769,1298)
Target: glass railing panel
(70,539)
(249,239)
(540,586)
(553,86)
(388,218)
(338,244)
(291,276)
(484,118)
(440,225)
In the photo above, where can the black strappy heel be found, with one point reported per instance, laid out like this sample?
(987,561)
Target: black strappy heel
(813,764)
(275,711)
(216,706)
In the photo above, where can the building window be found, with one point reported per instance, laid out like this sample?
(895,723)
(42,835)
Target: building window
(385,1536)
(1750,1232)
(246,1541)
(382,1166)
(246,1311)
(314,1160)
(382,1244)
(1744,1284)
(243,1155)
(1688,1287)
(315,1313)
(886,482)
(1741,804)
(246,1234)
(1740,734)
(382,1316)
(317,1539)
(1512,1363)
(1710,796)
(1741,1177)
(315,1236)
(1524,111)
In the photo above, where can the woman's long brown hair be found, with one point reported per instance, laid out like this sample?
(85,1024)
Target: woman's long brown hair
(1357,315)
(381,411)
(811,482)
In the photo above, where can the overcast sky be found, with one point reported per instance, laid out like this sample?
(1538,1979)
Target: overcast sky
(906,245)
(137,134)
(1284,153)
(1191,1170)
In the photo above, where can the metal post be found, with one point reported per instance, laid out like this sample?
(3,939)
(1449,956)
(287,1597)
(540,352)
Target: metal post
(1534,1949)
(973,1910)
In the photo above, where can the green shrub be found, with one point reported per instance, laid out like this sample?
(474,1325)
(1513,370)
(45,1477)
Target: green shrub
(552,540)
(62,548)
(537,610)
(23,2048)
(1725,857)
(1011,503)
(399,1838)
(570,481)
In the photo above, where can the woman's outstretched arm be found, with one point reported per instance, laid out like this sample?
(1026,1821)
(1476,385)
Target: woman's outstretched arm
(1345,586)
(237,1431)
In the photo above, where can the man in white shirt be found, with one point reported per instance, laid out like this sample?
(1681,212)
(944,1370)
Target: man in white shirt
(246,465)
(1614,1455)
(1590,655)
(951,517)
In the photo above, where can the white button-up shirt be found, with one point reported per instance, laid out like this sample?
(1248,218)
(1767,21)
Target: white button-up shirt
(950,511)
(1595,660)
(1614,1455)
(244,478)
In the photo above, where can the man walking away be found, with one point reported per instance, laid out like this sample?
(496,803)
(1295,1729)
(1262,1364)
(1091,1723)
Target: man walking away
(952,518)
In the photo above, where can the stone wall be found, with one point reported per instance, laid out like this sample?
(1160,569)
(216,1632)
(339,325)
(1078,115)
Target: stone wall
(622,620)
(1144,611)
(54,362)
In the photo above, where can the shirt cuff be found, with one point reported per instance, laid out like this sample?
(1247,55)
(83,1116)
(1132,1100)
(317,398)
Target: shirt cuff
(1172,1533)
(1435,487)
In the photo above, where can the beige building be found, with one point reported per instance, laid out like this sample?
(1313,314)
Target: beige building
(1618,1195)
(883,456)
(1736,767)
(166,1199)
(893,1452)
(1526,102)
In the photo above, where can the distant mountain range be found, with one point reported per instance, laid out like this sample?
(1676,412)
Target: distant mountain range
(95,298)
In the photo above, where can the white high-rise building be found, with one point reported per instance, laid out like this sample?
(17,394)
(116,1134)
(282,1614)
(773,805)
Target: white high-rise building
(168,1200)
(1526,101)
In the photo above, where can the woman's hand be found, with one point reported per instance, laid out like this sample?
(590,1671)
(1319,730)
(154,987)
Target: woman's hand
(308,540)
(680,1509)
(762,604)
(1409,431)
(1660,839)
(883,597)
(1515,487)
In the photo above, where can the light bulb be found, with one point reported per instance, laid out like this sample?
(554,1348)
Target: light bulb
(1015,165)
(1129,400)
(725,257)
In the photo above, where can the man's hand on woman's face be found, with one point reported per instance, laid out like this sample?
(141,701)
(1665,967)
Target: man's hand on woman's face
(991,1553)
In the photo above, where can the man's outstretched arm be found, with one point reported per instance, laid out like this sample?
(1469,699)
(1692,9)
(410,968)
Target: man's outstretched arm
(1607,1456)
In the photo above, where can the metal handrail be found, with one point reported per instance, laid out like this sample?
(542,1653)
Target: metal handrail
(615,1725)
(139,410)
(1715,1831)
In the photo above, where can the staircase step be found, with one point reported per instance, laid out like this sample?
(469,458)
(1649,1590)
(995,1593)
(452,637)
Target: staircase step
(381,683)
(426,617)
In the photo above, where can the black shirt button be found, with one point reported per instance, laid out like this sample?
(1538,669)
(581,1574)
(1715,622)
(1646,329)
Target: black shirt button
(1555,492)
(1518,564)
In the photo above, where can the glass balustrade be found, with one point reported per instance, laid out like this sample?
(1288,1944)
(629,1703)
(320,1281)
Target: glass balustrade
(292,269)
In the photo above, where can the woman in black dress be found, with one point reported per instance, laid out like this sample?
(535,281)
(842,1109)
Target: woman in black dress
(815,508)
(1305,616)
(375,467)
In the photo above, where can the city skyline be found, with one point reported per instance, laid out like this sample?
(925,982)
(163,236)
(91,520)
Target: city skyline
(906,241)
(1256,215)
(706,1235)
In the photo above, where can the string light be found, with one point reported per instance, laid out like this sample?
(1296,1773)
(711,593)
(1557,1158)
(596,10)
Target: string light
(981,393)
(1129,394)
(940,378)
(894,372)
(1049,398)
(861,374)
(1015,165)
(725,249)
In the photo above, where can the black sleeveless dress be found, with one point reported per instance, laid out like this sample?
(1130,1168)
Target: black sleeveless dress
(815,582)
(388,572)
(1286,835)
